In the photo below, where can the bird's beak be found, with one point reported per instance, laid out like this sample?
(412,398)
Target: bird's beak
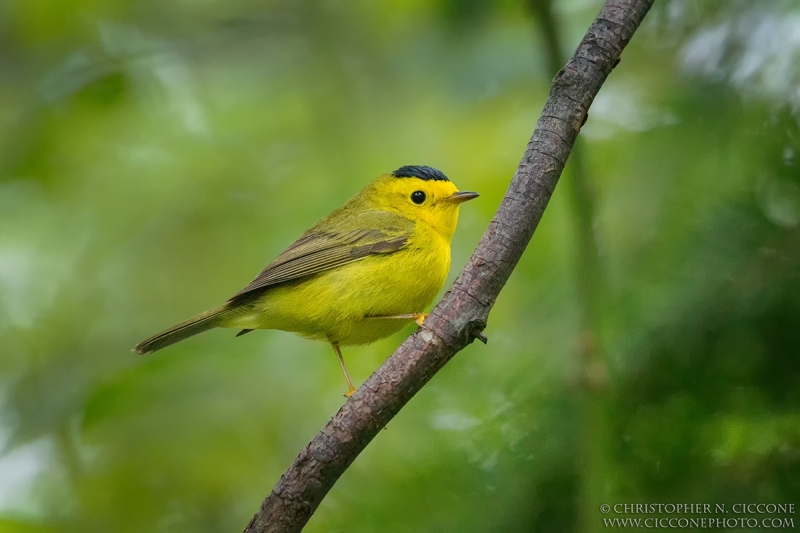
(461,196)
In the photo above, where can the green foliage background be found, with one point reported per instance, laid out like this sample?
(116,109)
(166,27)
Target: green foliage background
(154,156)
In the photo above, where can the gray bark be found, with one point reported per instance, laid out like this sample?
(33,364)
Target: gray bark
(461,315)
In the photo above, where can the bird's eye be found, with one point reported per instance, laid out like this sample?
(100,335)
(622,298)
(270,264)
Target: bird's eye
(418,197)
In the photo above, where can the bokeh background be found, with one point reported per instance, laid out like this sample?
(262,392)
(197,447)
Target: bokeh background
(154,156)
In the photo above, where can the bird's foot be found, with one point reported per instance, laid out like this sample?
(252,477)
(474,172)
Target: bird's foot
(350,391)
(419,318)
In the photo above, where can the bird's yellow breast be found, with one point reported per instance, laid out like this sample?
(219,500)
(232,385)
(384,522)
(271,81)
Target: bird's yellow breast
(336,305)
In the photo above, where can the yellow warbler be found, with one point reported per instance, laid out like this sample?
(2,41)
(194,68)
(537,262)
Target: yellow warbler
(360,274)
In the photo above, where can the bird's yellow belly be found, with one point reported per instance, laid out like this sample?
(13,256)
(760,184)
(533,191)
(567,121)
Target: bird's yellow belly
(336,305)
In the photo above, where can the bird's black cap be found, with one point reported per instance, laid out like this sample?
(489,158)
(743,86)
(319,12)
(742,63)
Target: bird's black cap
(421,172)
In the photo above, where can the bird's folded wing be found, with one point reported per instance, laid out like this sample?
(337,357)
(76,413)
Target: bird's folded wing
(321,249)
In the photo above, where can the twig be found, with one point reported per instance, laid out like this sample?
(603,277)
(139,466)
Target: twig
(461,315)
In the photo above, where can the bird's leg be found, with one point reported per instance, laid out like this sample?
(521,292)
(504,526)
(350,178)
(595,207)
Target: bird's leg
(419,318)
(350,388)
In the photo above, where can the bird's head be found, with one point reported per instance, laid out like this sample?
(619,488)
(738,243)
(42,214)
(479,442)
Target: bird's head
(422,194)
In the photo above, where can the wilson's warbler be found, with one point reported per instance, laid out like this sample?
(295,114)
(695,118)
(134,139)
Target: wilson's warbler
(360,274)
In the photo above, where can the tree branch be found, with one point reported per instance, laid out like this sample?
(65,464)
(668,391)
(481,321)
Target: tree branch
(461,315)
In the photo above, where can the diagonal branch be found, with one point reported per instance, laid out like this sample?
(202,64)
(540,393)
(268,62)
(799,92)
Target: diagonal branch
(461,315)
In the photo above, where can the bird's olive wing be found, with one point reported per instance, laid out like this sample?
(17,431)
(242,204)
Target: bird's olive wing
(323,248)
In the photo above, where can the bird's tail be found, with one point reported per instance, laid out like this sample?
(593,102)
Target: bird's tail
(197,324)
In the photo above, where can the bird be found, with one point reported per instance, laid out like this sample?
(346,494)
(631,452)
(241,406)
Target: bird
(360,274)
